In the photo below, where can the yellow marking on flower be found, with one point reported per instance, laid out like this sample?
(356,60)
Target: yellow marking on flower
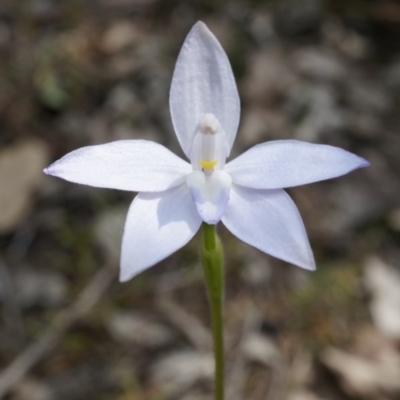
(208,164)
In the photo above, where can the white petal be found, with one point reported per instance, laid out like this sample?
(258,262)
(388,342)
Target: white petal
(269,221)
(136,165)
(157,225)
(286,163)
(210,194)
(203,82)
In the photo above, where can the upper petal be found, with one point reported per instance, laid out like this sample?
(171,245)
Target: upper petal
(157,225)
(202,83)
(269,221)
(286,163)
(136,165)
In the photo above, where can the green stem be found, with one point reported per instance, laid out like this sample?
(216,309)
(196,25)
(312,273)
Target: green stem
(213,264)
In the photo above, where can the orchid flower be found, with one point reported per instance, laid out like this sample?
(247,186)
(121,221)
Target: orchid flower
(175,197)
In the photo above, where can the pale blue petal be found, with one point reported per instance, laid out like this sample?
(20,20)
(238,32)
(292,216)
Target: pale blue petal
(210,194)
(202,83)
(269,221)
(157,225)
(135,165)
(285,163)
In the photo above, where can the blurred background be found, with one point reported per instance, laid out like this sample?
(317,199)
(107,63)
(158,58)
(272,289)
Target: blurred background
(79,72)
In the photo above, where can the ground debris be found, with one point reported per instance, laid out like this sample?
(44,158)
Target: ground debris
(259,348)
(302,394)
(34,288)
(32,389)
(21,171)
(363,377)
(177,372)
(142,330)
(383,281)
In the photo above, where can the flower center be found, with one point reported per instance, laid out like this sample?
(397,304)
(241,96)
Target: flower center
(209,185)
(208,131)
(210,147)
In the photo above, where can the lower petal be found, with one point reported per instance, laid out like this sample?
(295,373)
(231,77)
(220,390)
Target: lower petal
(269,221)
(157,225)
(210,194)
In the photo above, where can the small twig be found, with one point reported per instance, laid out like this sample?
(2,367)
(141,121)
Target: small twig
(29,357)
(280,376)
(11,311)
(197,334)
(240,370)
(172,281)
(279,383)
(21,242)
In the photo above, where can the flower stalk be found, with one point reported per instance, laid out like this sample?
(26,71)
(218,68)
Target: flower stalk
(213,265)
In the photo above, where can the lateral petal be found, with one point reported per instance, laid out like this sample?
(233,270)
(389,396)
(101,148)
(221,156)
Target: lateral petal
(269,221)
(203,82)
(286,163)
(135,165)
(157,225)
